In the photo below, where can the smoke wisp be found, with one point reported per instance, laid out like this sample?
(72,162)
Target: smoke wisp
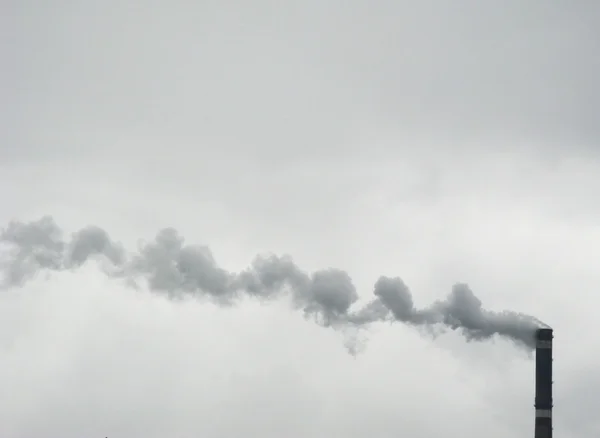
(168,265)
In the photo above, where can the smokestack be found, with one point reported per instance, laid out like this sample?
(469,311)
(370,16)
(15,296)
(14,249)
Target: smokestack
(543,383)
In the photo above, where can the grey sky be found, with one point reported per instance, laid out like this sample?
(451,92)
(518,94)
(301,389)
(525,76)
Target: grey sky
(440,142)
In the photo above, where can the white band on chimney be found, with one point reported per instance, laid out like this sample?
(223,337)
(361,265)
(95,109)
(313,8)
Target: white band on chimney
(543,413)
(544,344)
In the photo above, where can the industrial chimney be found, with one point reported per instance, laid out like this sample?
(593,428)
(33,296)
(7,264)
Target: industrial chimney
(543,383)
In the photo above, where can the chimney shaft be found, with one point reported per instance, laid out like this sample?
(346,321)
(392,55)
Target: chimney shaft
(543,383)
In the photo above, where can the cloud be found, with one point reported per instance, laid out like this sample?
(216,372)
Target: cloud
(416,147)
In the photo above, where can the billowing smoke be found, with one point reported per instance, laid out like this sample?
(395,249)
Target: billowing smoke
(169,265)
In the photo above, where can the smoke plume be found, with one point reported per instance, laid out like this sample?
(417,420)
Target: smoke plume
(169,265)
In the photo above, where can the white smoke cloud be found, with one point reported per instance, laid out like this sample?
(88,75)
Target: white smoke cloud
(169,265)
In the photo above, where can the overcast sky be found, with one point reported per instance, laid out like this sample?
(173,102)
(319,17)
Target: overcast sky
(451,141)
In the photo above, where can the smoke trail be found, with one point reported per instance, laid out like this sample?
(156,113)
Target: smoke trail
(169,265)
